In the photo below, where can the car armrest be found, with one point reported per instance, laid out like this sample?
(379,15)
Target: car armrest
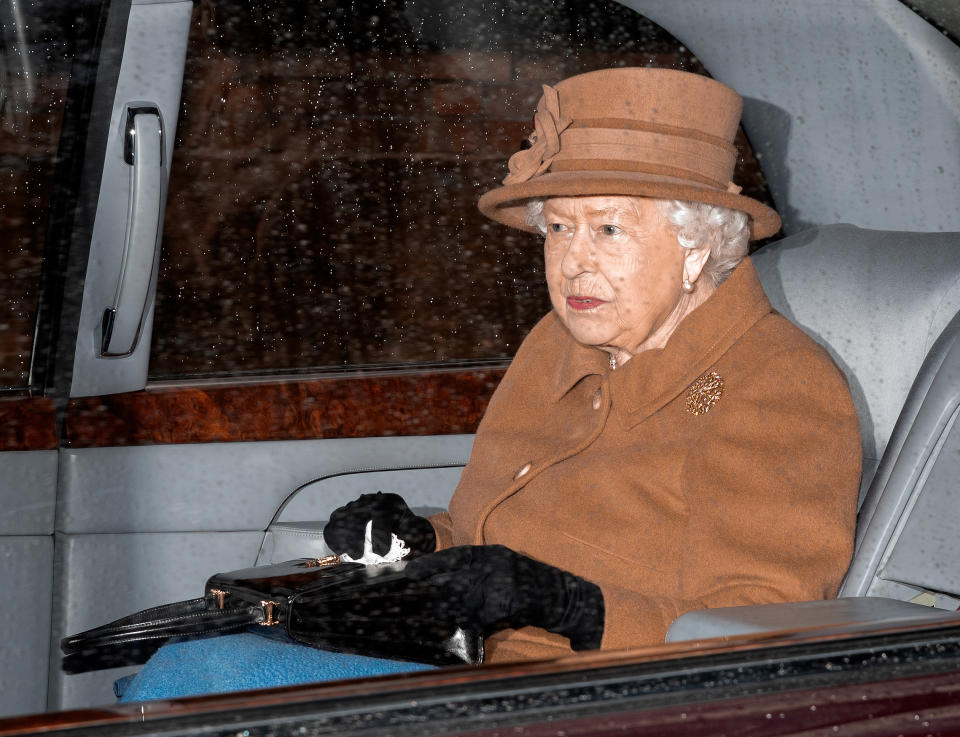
(829,614)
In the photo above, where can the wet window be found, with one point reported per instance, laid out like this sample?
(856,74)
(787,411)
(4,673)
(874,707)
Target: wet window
(322,203)
(38,44)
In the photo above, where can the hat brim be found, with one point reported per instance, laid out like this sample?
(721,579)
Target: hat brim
(507,204)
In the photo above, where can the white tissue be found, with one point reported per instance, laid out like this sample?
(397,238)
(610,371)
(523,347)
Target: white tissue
(398,550)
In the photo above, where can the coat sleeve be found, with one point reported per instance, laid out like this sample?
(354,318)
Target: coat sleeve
(443,527)
(771,486)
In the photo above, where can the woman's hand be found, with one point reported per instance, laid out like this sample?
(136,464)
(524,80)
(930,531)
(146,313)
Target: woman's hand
(492,585)
(344,532)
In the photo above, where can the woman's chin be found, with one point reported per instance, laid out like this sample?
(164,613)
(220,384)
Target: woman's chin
(592,335)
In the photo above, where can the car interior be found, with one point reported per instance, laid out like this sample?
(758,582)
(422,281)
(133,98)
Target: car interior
(853,111)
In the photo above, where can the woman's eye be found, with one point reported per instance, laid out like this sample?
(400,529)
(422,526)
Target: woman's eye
(610,230)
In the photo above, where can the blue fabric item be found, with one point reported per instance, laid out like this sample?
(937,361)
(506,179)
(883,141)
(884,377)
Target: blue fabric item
(244,661)
(121,685)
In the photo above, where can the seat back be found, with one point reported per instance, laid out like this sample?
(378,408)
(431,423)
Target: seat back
(885,305)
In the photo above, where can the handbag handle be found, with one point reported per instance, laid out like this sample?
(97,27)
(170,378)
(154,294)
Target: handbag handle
(131,640)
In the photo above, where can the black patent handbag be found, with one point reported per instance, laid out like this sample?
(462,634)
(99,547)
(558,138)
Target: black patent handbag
(372,610)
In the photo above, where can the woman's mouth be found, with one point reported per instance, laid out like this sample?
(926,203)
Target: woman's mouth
(579,303)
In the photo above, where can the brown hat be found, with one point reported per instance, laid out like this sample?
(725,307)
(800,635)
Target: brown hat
(630,131)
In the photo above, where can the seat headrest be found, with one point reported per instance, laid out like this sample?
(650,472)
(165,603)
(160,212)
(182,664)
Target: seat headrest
(876,300)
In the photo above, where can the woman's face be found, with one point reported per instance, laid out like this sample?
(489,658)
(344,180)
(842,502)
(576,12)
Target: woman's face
(614,270)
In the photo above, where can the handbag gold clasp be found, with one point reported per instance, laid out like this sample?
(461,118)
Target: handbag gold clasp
(327,560)
(221,595)
(268,612)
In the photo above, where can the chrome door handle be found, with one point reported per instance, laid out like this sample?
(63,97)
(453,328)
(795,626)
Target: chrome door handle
(143,151)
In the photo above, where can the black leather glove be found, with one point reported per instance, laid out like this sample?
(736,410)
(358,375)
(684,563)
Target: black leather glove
(344,532)
(493,586)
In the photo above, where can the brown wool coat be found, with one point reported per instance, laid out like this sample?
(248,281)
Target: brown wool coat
(609,476)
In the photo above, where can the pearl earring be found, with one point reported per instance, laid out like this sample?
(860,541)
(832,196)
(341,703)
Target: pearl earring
(687,286)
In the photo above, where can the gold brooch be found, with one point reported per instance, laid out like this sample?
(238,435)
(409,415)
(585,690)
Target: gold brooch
(704,393)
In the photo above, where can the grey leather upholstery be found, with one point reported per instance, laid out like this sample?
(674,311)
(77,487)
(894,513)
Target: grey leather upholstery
(100,577)
(27,503)
(223,486)
(877,146)
(27,561)
(876,300)
(909,521)
(28,493)
(886,306)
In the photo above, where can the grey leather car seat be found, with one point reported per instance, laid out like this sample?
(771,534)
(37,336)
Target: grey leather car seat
(885,305)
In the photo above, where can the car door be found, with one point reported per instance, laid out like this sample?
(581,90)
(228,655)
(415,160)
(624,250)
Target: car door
(319,169)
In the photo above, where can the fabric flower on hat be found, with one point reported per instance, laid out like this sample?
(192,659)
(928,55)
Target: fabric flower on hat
(548,125)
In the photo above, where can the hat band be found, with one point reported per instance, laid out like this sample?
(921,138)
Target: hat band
(634,166)
(702,161)
(644,125)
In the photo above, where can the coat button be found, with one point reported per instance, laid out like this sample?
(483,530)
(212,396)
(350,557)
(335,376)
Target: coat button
(522,471)
(597,398)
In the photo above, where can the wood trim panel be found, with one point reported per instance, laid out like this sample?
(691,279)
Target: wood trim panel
(440,403)
(27,423)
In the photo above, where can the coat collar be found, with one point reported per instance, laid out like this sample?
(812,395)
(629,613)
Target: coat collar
(653,378)
(574,361)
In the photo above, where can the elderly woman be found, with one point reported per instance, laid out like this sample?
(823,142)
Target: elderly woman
(663,440)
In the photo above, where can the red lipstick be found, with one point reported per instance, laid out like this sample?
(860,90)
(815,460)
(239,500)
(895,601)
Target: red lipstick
(581,303)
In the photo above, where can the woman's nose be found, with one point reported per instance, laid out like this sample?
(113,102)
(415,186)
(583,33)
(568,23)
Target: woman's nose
(579,256)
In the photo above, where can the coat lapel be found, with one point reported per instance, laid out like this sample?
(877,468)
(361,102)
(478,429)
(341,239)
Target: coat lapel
(652,379)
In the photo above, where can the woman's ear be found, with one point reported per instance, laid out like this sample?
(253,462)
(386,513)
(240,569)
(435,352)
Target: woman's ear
(693,262)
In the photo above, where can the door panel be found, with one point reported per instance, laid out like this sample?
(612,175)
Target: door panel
(226,486)
(27,507)
(28,492)
(25,579)
(124,250)
(427,490)
(100,577)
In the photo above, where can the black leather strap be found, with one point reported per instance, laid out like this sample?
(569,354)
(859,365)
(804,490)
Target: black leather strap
(131,640)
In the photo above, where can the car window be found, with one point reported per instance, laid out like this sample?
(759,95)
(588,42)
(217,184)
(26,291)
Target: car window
(322,207)
(38,45)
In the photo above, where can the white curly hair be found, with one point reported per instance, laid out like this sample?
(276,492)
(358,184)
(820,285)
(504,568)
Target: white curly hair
(724,231)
